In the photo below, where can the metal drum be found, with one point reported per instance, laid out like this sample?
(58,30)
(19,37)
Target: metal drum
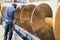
(37,20)
(57,24)
(18,11)
(25,17)
(39,26)
(17,15)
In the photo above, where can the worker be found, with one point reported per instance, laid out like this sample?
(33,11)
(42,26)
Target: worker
(9,18)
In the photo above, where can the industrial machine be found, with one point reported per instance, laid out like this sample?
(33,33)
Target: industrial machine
(33,19)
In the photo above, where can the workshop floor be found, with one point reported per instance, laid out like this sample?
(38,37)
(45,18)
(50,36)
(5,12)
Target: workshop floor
(15,36)
(1,32)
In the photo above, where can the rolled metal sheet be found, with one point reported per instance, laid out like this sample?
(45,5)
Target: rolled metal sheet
(39,26)
(33,19)
(39,14)
(26,13)
(47,9)
(17,15)
(57,24)
(37,18)
(18,11)
(25,17)
(22,7)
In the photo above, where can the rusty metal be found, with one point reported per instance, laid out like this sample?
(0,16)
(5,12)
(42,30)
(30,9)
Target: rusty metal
(17,15)
(39,26)
(57,24)
(33,19)
(25,17)
(18,11)
(39,14)
(47,9)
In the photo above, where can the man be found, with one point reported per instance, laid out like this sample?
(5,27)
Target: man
(9,18)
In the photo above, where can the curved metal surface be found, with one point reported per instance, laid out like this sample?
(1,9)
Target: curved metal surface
(47,9)
(39,14)
(18,12)
(39,26)
(37,18)
(26,13)
(33,19)
(26,17)
(17,15)
(57,24)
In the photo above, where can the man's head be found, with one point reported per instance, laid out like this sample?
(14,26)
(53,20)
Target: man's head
(15,5)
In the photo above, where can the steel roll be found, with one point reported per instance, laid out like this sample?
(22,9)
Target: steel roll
(37,20)
(18,11)
(57,24)
(25,17)
(39,25)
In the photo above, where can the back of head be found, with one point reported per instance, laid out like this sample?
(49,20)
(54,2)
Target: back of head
(15,5)
(15,0)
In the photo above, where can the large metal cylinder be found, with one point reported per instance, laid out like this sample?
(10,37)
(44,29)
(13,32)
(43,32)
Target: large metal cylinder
(18,11)
(39,14)
(17,14)
(33,19)
(25,17)
(57,24)
(39,26)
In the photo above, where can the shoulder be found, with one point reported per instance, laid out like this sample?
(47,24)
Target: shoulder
(10,8)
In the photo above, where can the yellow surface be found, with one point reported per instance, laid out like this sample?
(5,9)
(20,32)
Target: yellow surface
(49,21)
(57,24)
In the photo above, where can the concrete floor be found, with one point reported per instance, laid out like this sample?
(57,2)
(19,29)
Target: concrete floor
(15,36)
(1,32)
